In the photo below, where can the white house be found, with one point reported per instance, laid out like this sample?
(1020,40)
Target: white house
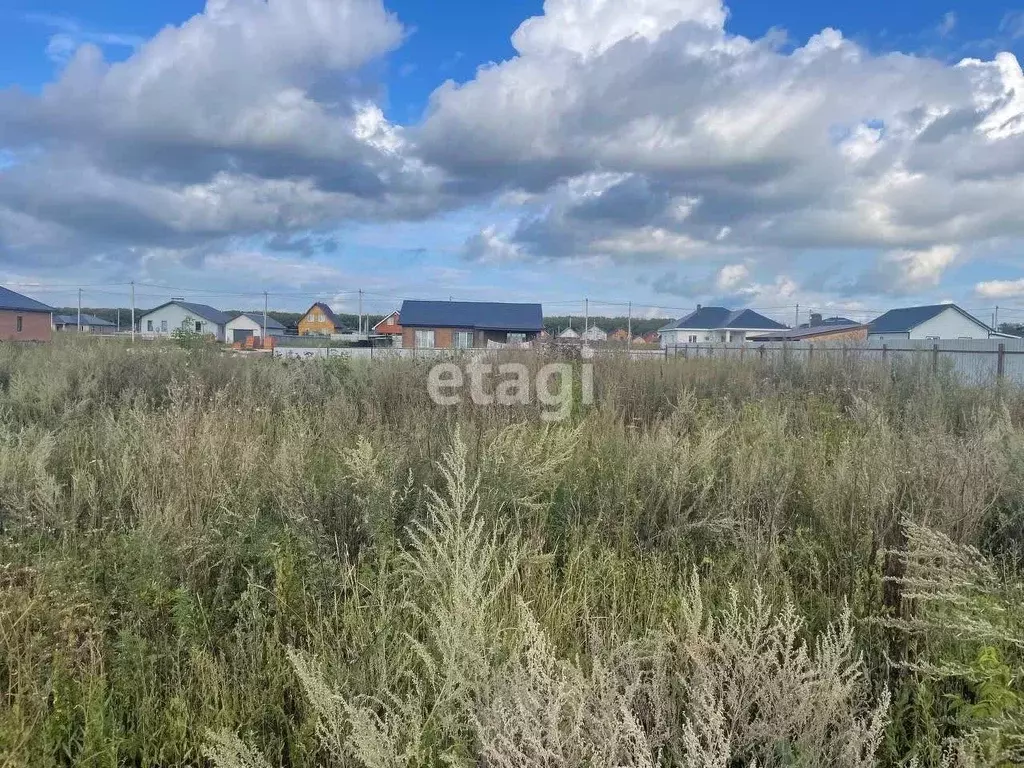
(569,333)
(937,321)
(90,324)
(716,324)
(593,333)
(251,324)
(183,315)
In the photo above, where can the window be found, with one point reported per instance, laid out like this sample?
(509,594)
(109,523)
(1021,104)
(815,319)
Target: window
(516,338)
(199,327)
(691,340)
(463,339)
(425,339)
(163,326)
(21,323)
(149,326)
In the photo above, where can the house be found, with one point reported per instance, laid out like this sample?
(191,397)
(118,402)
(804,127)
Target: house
(569,333)
(90,324)
(653,337)
(319,320)
(180,315)
(593,333)
(620,335)
(716,324)
(834,329)
(250,324)
(468,324)
(23,319)
(937,321)
(390,326)
(639,340)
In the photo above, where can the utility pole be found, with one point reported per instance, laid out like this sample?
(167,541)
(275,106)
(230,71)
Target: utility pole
(360,311)
(119,318)
(586,315)
(797,323)
(265,304)
(133,311)
(995,320)
(79,310)
(629,325)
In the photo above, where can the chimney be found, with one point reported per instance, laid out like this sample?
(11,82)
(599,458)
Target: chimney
(815,319)
(699,307)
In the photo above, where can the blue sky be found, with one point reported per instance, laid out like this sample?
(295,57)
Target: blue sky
(663,152)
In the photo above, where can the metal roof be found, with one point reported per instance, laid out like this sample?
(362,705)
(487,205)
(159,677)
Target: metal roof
(202,310)
(480,315)
(709,318)
(803,332)
(18,303)
(907,318)
(257,317)
(86,320)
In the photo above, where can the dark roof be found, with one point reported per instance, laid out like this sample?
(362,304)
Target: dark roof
(803,332)
(257,317)
(202,310)
(480,315)
(831,321)
(907,318)
(720,317)
(328,313)
(86,320)
(18,303)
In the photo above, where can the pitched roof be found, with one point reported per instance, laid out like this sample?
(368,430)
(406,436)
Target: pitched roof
(804,332)
(202,310)
(384,320)
(480,315)
(18,303)
(257,317)
(86,320)
(905,319)
(328,313)
(719,317)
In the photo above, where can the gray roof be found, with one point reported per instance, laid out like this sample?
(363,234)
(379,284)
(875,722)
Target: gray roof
(18,303)
(907,318)
(257,317)
(86,320)
(804,331)
(719,317)
(479,315)
(202,310)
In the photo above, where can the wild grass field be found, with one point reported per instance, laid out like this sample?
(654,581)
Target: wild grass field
(216,561)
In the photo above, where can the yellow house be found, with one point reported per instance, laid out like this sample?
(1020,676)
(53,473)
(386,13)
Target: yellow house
(319,320)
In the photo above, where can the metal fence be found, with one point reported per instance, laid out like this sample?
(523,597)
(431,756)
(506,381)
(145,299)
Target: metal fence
(976,361)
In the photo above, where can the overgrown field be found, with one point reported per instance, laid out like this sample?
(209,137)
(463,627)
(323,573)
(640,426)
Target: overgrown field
(215,561)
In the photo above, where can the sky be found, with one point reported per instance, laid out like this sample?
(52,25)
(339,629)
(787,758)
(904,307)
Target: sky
(843,158)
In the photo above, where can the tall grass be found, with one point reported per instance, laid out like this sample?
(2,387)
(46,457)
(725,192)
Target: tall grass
(213,560)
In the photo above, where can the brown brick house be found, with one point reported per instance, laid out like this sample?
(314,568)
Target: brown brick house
(468,324)
(24,319)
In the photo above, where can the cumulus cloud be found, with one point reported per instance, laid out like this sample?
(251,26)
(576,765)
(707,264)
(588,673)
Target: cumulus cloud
(250,117)
(1000,289)
(713,144)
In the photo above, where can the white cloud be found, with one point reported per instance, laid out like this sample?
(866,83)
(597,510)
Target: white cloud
(947,25)
(924,269)
(1000,289)
(731,277)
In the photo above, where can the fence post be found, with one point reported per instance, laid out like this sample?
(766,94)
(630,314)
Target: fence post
(935,358)
(810,351)
(762,351)
(885,352)
(1001,361)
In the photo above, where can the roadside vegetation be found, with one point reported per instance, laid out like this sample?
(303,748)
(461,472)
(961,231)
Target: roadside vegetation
(208,560)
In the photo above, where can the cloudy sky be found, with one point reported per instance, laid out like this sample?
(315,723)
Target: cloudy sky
(663,152)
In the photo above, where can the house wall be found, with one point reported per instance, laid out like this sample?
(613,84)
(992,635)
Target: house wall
(389,325)
(856,334)
(35,326)
(444,337)
(308,326)
(175,317)
(246,324)
(950,324)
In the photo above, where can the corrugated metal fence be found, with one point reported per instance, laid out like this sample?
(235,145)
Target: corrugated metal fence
(977,361)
